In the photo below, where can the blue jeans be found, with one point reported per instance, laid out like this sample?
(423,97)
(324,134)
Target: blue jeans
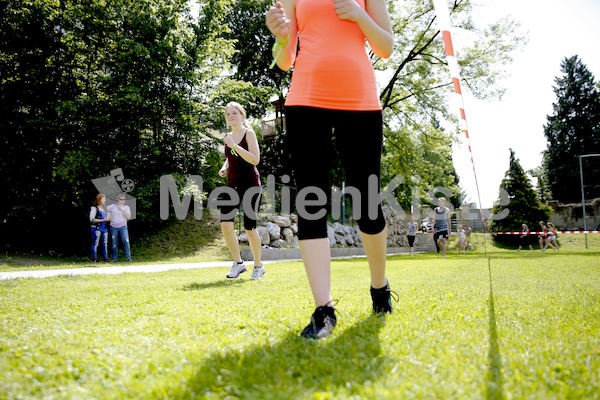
(97,237)
(114,236)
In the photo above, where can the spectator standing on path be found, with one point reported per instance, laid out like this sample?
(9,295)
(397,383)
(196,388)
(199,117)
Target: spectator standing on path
(99,217)
(411,234)
(120,213)
(333,94)
(242,156)
(441,228)
(524,239)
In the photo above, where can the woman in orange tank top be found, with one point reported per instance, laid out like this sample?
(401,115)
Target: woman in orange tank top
(333,94)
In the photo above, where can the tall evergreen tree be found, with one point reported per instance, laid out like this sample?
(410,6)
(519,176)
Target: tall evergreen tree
(542,187)
(572,130)
(524,205)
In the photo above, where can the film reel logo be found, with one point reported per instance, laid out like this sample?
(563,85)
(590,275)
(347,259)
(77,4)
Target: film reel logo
(116,185)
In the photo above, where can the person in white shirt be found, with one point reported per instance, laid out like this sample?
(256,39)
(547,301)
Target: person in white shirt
(119,215)
(411,234)
(462,239)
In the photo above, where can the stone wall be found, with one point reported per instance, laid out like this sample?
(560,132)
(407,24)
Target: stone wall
(570,216)
(282,231)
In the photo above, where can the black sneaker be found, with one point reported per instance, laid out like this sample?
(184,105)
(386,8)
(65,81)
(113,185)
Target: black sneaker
(382,299)
(321,324)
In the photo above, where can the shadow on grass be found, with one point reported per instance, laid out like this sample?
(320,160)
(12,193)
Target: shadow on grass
(25,260)
(215,284)
(542,255)
(494,375)
(294,366)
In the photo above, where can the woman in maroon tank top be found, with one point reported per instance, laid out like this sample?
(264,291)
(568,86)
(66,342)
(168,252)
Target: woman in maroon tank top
(243,154)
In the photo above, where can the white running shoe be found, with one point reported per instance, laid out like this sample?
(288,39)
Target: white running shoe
(236,269)
(258,272)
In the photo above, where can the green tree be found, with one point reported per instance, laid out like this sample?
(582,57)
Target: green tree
(251,60)
(524,205)
(416,96)
(542,187)
(89,86)
(572,130)
(253,43)
(424,160)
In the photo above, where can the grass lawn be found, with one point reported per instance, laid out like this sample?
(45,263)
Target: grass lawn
(485,325)
(180,241)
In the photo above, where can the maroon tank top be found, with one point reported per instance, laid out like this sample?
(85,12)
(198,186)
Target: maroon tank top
(241,173)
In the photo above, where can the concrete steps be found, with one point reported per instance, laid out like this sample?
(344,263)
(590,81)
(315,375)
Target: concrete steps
(424,243)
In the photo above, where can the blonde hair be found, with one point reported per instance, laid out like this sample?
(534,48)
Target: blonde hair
(240,108)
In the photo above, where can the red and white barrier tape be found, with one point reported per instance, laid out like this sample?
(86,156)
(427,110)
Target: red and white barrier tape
(443,18)
(540,233)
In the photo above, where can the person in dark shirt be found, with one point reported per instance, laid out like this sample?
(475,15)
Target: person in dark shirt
(243,155)
(441,229)
(524,239)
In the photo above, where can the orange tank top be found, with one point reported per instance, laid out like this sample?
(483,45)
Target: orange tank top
(332,69)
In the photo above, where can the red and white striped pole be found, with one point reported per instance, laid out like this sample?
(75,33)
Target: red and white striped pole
(443,18)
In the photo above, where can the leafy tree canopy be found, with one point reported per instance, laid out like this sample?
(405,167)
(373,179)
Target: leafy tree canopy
(416,95)
(91,86)
(572,130)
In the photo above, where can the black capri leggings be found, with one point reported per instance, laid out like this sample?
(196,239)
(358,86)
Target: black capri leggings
(358,139)
(250,215)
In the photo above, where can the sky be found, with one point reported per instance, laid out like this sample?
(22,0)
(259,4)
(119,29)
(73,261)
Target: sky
(556,29)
